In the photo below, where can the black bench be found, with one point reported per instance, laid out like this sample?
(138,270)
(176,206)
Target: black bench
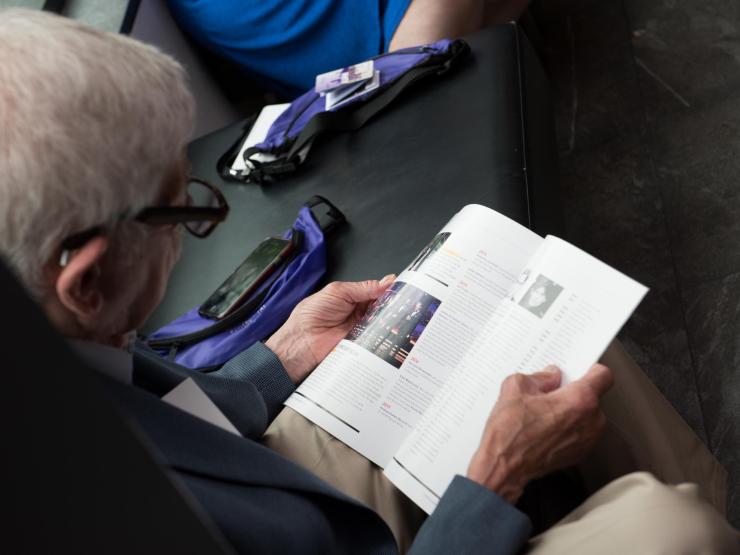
(482,134)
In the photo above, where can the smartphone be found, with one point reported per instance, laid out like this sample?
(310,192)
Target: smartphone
(257,267)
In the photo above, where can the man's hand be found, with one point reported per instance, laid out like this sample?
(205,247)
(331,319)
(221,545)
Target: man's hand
(318,323)
(536,428)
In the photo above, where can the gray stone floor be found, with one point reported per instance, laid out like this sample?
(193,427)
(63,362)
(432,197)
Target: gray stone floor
(647,102)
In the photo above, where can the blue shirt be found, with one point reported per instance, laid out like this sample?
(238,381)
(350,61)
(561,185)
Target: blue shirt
(285,44)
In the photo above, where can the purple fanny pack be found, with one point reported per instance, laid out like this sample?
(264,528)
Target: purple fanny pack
(307,116)
(200,343)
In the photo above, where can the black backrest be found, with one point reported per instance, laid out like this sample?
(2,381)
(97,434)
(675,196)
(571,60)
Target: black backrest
(223,91)
(77,477)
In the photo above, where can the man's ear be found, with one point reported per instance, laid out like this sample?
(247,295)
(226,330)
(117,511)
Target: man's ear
(78,285)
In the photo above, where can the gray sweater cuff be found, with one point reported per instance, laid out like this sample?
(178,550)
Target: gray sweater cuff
(263,369)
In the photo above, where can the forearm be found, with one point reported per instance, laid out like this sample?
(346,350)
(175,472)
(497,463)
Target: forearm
(293,352)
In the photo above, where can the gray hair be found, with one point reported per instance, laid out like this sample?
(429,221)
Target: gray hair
(91,125)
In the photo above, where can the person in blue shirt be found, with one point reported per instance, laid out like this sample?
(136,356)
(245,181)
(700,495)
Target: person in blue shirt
(285,44)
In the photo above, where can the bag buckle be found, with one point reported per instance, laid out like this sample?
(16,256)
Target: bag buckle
(331,219)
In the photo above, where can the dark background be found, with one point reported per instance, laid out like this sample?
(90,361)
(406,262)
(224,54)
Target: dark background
(648,122)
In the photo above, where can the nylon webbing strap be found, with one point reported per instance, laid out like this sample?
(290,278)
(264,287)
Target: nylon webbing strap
(352,120)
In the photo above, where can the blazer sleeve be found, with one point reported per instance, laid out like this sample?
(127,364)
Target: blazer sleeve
(472,519)
(249,389)
(260,366)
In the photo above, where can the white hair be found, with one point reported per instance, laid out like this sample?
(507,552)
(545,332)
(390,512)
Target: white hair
(91,125)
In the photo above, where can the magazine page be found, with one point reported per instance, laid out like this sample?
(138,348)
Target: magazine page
(565,311)
(373,388)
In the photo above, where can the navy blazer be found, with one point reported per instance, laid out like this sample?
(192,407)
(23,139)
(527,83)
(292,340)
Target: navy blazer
(262,502)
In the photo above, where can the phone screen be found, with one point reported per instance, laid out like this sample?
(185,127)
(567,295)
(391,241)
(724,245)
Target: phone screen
(245,278)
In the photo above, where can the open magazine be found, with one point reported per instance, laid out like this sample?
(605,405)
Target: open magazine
(413,383)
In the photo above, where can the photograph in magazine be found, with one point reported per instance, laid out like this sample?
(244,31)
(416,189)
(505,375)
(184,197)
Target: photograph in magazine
(393,324)
(540,296)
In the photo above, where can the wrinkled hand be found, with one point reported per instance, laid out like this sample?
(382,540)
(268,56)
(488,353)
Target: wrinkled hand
(320,321)
(536,428)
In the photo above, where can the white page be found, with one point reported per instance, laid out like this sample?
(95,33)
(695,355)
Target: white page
(189,397)
(259,131)
(566,312)
(371,396)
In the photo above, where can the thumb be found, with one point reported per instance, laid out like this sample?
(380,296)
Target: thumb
(362,291)
(546,380)
(600,378)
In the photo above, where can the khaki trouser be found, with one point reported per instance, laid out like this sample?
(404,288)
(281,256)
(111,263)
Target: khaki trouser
(631,511)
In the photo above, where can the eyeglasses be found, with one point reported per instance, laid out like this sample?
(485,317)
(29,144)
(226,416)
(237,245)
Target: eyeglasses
(206,208)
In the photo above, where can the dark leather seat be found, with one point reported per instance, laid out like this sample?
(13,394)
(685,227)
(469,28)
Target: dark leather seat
(78,476)
(482,134)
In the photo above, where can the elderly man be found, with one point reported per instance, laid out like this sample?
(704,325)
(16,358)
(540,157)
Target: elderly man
(94,193)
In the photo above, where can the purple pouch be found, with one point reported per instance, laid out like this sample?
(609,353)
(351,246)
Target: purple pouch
(200,343)
(307,115)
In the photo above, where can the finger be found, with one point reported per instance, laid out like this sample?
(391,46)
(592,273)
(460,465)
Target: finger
(546,380)
(387,280)
(540,382)
(599,378)
(360,291)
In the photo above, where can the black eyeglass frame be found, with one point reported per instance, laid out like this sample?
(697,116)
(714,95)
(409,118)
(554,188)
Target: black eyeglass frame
(166,215)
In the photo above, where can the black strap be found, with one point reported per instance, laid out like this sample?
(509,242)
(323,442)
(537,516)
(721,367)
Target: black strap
(351,120)
(224,163)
